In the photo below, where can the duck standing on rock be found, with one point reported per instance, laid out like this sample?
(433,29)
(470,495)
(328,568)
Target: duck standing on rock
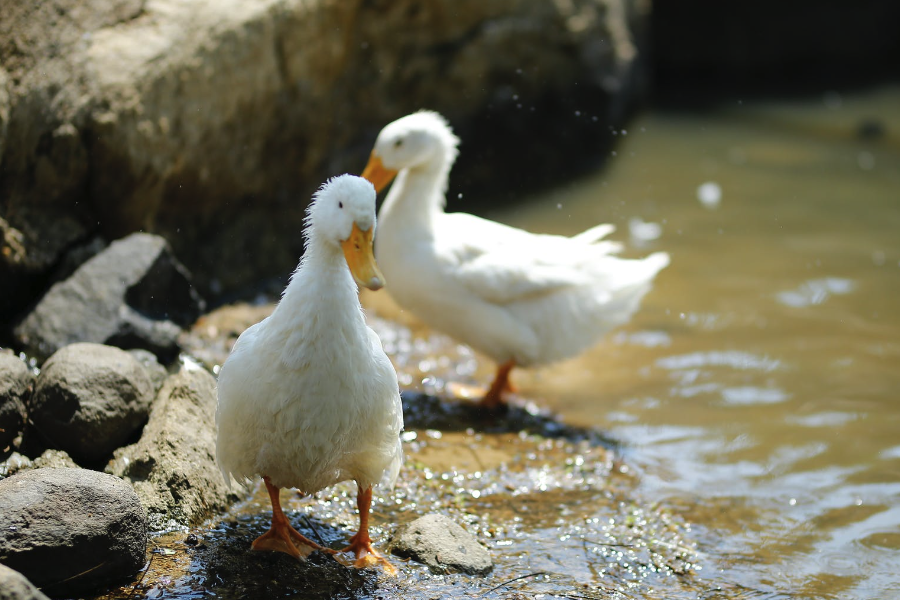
(522,299)
(307,398)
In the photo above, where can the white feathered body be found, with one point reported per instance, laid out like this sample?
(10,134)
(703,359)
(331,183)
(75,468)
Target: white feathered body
(308,396)
(508,293)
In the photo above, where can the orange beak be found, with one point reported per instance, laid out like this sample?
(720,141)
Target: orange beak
(377,175)
(361,260)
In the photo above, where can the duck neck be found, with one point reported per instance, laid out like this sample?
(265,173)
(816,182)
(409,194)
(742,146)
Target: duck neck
(321,291)
(418,195)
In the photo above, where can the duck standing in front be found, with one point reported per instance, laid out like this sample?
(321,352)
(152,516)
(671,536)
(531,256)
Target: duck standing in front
(307,398)
(522,299)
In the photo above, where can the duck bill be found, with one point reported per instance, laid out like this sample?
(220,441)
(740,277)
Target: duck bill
(361,260)
(377,175)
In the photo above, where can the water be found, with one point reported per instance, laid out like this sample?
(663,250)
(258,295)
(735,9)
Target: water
(759,387)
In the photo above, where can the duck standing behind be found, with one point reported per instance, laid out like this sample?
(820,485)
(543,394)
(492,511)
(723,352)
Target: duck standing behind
(307,398)
(522,299)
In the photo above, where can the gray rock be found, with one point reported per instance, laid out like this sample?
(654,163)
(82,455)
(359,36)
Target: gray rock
(16,382)
(156,371)
(444,546)
(54,459)
(69,530)
(133,294)
(15,586)
(14,463)
(90,399)
(173,466)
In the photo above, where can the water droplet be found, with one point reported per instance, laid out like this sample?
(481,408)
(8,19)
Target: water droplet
(709,194)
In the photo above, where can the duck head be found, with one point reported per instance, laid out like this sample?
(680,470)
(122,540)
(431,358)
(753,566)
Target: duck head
(343,213)
(410,142)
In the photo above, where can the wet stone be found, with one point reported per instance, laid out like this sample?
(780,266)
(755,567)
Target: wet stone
(15,586)
(16,382)
(71,530)
(54,459)
(444,546)
(14,463)
(90,399)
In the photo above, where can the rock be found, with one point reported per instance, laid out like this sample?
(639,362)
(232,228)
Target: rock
(54,459)
(156,371)
(173,466)
(444,546)
(90,399)
(105,134)
(15,586)
(70,530)
(133,294)
(14,463)
(16,382)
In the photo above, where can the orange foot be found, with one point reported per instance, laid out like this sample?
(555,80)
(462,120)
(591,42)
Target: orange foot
(281,537)
(366,554)
(284,538)
(361,543)
(494,399)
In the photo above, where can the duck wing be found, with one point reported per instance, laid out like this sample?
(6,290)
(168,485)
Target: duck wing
(503,264)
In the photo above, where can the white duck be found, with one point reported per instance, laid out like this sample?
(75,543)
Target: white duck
(522,299)
(307,398)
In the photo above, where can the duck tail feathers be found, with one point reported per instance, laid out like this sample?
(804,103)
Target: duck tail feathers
(595,233)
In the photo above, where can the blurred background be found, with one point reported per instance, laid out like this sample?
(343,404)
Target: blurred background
(758,389)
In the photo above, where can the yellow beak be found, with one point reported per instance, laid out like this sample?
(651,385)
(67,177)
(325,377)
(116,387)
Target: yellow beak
(377,175)
(361,260)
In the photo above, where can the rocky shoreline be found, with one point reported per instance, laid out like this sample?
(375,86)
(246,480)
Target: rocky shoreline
(468,478)
(137,472)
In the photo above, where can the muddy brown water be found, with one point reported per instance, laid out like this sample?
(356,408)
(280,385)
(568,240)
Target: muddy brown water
(740,438)
(759,386)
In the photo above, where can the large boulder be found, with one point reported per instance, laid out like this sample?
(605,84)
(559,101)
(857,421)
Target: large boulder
(212,122)
(133,294)
(173,466)
(90,399)
(16,381)
(69,530)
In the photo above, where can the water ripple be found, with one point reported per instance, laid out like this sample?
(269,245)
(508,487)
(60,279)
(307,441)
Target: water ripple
(816,291)
(716,358)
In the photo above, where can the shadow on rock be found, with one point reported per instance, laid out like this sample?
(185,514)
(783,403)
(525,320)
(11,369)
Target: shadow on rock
(235,571)
(422,411)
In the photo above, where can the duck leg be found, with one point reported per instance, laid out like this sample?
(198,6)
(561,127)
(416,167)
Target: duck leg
(281,537)
(361,543)
(501,384)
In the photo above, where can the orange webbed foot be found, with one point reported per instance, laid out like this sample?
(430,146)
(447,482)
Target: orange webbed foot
(281,537)
(287,540)
(366,555)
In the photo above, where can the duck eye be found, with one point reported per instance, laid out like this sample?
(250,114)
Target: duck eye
(340,205)
(398,143)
